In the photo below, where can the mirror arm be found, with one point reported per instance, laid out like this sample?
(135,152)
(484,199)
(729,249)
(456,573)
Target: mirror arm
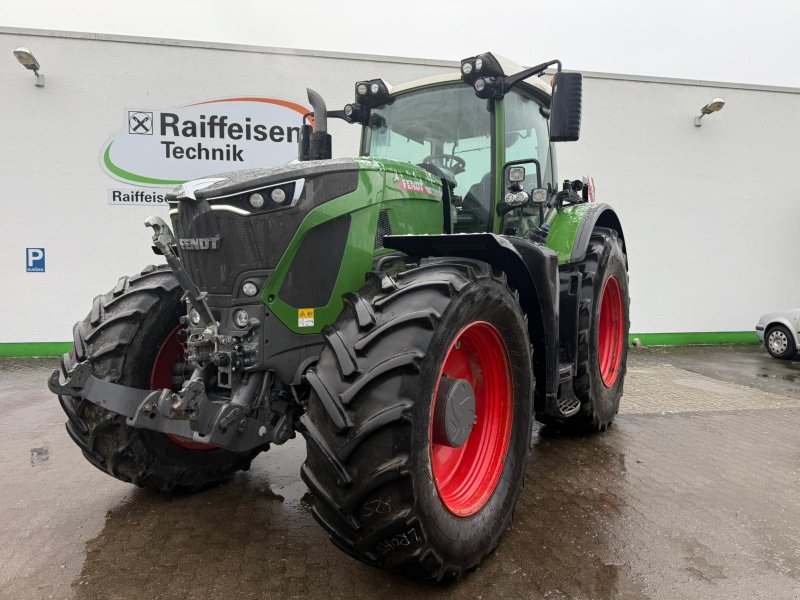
(339,114)
(511,81)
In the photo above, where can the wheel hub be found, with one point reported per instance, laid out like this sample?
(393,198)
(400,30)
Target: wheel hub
(454,416)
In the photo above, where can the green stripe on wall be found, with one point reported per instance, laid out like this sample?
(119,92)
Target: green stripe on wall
(695,338)
(646,339)
(35,349)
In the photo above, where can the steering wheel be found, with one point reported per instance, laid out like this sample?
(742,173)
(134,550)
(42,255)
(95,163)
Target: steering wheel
(451,162)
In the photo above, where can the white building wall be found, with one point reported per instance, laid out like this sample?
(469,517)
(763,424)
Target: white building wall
(710,214)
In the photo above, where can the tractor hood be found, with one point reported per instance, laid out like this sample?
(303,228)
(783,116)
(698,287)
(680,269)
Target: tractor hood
(226,185)
(234,224)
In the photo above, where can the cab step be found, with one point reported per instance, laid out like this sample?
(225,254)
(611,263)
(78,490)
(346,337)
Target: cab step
(568,403)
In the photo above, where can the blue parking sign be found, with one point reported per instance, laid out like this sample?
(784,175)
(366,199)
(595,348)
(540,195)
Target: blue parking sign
(34,260)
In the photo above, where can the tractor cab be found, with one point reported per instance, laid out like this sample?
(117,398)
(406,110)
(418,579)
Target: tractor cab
(490,141)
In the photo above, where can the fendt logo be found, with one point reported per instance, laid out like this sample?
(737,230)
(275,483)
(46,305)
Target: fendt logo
(211,243)
(167,147)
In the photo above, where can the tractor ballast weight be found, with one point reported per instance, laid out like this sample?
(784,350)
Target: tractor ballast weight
(409,311)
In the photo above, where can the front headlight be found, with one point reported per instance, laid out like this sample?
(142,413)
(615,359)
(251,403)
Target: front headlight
(277,196)
(516,199)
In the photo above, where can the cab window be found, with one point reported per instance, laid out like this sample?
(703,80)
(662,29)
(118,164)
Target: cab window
(446,130)
(526,136)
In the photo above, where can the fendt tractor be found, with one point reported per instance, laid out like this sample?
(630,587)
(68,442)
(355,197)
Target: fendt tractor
(409,311)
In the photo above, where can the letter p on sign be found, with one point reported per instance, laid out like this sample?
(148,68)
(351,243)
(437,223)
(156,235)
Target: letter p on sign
(34,260)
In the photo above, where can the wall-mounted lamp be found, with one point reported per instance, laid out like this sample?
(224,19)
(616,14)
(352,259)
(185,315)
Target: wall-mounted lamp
(28,60)
(713,106)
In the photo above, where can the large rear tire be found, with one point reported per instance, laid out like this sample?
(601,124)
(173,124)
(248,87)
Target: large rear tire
(126,333)
(388,488)
(603,327)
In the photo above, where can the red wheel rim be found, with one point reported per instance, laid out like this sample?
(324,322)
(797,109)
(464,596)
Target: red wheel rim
(466,477)
(610,331)
(161,378)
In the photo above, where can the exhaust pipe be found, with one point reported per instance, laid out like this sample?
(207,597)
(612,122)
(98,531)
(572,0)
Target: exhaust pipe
(320,111)
(315,144)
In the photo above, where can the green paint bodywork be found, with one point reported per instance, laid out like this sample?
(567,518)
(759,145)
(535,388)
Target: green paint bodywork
(499,161)
(408,211)
(564,225)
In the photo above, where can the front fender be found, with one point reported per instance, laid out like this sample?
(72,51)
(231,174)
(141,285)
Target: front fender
(531,269)
(572,227)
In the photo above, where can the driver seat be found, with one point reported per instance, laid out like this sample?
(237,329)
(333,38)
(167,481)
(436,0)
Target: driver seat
(476,204)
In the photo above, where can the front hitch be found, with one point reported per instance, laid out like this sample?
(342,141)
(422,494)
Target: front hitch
(189,413)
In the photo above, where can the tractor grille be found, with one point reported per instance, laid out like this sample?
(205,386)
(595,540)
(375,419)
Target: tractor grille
(246,243)
(384,228)
(218,244)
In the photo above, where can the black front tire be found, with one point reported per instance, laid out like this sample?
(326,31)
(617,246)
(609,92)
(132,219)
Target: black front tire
(369,419)
(779,342)
(121,336)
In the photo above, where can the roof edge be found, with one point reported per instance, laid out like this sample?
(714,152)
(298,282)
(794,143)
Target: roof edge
(133,39)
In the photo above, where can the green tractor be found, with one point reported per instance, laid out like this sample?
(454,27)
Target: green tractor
(410,312)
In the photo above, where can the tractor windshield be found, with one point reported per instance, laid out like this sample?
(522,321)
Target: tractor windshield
(448,131)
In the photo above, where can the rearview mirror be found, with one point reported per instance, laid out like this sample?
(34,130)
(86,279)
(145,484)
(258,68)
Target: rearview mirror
(565,111)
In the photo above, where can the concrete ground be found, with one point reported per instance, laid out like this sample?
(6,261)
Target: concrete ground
(694,493)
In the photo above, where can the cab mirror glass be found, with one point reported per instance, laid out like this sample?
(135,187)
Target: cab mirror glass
(565,111)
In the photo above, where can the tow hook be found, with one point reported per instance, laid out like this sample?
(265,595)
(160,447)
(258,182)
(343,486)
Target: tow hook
(183,404)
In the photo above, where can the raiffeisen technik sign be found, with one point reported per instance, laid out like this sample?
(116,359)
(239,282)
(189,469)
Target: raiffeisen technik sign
(168,147)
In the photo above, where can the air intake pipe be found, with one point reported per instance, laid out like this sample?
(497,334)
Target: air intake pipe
(315,144)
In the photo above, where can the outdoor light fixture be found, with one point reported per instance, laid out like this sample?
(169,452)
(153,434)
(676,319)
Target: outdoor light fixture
(28,60)
(713,106)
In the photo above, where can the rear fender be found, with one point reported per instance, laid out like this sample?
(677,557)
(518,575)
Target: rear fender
(532,269)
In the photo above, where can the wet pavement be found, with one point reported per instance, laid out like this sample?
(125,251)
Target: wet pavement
(746,365)
(694,493)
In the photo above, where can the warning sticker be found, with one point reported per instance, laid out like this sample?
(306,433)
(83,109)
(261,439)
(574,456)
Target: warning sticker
(305,317)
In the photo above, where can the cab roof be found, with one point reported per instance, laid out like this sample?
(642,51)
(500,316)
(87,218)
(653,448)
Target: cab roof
(509,68)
